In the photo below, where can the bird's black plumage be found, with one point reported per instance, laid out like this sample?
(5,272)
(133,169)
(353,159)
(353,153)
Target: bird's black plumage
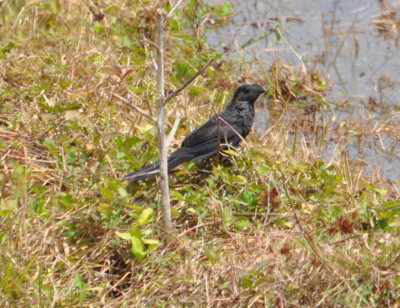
(228,128)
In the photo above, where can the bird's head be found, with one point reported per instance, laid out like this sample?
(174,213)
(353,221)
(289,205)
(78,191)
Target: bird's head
(248,93)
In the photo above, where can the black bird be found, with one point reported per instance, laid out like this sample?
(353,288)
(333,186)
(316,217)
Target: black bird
(226,129)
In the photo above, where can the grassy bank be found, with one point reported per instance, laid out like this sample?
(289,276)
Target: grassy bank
(278,223)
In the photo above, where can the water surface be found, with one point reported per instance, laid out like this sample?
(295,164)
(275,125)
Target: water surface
(353,43)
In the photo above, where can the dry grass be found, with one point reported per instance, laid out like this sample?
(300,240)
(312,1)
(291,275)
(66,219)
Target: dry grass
(320,233)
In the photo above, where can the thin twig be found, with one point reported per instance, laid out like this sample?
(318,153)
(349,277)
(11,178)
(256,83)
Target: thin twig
(187,82)
(149,111)
(213,223)
(173,130)
(150,42)
(154,62)
(173,10)
(128,103)
(234,130)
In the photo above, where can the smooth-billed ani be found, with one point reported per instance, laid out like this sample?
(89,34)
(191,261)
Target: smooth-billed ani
(223,130)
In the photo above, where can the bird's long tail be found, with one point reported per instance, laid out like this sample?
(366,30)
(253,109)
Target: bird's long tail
(176,158)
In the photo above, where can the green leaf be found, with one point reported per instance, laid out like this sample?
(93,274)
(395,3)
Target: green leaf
(391,204)
(124,235)
(181,70)
(247,282)
(107,193)
(137,248)
(175,213)
(152,245)
(227,9)
(136,208)
(354,134)
(231,152)
(51,146)
(146,233)
(240,179)
(258,282)
(145,217)
(152,242)
(144,129)
(191,210)
(241,223)
(136,232)
(228,216)
(177,195)
(381,191)
(264,169)
(60,108)
(105,208)
(277,33)
(122,192)
(98,28)
(249,197)
(79,281)
(96,58)
(210,256)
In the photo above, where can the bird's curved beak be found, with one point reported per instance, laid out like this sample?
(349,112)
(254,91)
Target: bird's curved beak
(260,92)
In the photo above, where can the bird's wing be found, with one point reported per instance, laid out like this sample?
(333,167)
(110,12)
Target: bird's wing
(208,133)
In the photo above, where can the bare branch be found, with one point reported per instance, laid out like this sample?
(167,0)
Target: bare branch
(162,145)
(189,81)
(154,62)
(214,223)
(129,104)
(173,9)
(174,129)
(234,130)
(147,41)
(151,43)
(147,103)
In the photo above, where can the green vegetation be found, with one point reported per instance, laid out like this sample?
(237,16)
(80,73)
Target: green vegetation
(274,224)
